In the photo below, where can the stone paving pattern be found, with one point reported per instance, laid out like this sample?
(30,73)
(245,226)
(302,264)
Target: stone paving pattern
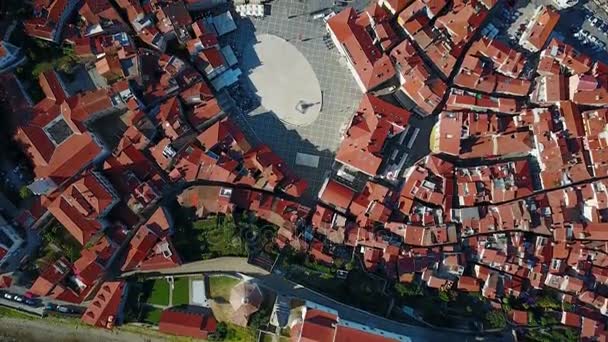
(340,92)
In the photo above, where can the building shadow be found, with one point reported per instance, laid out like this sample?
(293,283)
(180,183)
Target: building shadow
(262,126)
(287,142)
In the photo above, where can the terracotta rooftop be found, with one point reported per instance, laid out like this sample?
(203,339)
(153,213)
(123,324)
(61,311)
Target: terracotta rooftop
(104,309)
(371,65)
(182,322)
(374,120)
(82,204)
(336,194)
(539,28)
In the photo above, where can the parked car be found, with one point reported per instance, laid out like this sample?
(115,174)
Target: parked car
(18,299)
(50,306)
(596,22)
(30,302)
(64,309)
(8,296)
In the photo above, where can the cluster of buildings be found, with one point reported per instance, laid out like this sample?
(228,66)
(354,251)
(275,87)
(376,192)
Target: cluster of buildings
(511,200)
(198,322)
(10,241)
(513,191)
(167,130)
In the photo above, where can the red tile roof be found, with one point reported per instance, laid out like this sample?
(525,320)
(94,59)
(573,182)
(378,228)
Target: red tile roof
(539,28)
(139,247)
(460,100)
(462,21)
(97,11)
(395,6)
(51,277)
(204,111)
(445,137)
(317,326)
(87,268)
(519,317)
(162,255)
(104,308)
(182,322)
(417,80)
(371,65)
(348,334)
(80,206)
(337,195)
(374,121)
(468,284)
(51,86)
(567,56)
(571,319)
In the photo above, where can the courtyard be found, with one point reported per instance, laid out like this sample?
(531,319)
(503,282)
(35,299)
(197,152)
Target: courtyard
(284,82)
(314,134)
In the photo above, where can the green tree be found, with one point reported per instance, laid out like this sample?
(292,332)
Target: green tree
(506,304)
(405,290)
(445,296)
(259,319)
(25,192)
(548,301)
(221,331)
(71,252)
(496,319)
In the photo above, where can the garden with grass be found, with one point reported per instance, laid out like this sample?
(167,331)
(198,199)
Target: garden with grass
(151,315)
(43,56)
(233,333)
(181,291)
(57,242)
(12,313)
(208,238)
(159,291)
(220,287)
(446,308)
(217,236)
(359,289)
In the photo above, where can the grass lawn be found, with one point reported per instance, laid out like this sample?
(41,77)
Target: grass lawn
(181,291)
(11,313)
(207,238)
(359,289)
(160,292)
(238,334)
(152,315)
(220,287)
(57,242)
(271,338)
(42,56)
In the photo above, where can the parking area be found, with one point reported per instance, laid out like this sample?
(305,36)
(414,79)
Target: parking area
(340,94)
(583,26)
(17,299)
(599,8)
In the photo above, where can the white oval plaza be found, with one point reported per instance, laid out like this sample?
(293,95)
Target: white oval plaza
(283,80)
